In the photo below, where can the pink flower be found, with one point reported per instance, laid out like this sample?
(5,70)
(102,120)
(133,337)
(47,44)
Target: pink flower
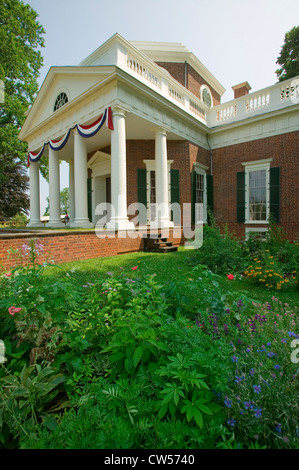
(134,268)
(12,310)
(230,276)
(8,274)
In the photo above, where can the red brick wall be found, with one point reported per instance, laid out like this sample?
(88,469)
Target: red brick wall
(72,246)
(189,78)
(227,161)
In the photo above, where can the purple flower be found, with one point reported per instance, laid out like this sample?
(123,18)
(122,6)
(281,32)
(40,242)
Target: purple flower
(278,428)
(283,340)
(258,412)
(251,372)
(290,333)
(248,404)
(234,359)
(257,389)
(238,379)
(269,344)
(231,422)
(248,350)
(271,354)
(228,402)
(227,310)
(277,366)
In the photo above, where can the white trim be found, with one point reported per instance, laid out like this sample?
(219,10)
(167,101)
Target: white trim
(257,165)
(201,169)
(151,166)
(249,230)
(202,88)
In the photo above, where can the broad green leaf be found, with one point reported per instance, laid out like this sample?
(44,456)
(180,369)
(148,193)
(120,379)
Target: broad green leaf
(137,355)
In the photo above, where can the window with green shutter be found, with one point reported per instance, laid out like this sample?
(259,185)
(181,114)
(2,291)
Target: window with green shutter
(241,196)
(142,194)
(174,189)
(275,193)
(210,196)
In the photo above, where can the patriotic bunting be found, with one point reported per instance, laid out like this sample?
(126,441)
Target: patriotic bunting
(85,131)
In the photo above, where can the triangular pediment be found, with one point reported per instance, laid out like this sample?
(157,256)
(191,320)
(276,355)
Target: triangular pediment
(74,81)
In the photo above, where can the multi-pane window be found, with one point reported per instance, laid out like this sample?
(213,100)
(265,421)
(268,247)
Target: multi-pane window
(257,191)
(206,96)
(60,101)
(199,188)
(257,195)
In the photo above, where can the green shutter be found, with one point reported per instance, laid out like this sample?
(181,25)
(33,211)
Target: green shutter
(275,193)
(241,196)
(142,190)
(174,188)
(193,196)
(89,198)
(210,196)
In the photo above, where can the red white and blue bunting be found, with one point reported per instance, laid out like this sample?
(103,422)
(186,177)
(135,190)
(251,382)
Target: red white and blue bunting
(85,131)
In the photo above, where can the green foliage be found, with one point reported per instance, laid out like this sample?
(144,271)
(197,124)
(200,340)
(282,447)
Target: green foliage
(21,36)
(220,252)
(25,399)
(288,58)
(127,360)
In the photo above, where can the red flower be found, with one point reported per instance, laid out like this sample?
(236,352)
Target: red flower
(134,268)
(8,274)
(230,276)
(12,310)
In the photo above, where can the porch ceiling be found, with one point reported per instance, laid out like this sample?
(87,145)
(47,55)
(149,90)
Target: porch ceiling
(136,129)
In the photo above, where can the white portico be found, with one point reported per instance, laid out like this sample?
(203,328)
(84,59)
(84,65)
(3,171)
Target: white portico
(85,115)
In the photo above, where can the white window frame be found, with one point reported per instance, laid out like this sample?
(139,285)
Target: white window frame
(201,169)
(249,230)
(257,165)
(151,166)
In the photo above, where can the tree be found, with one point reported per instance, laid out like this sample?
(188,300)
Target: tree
(64,202)
(14,198)
(289,56)
(21,36)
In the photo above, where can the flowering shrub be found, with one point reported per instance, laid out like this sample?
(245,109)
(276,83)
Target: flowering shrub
(266,271)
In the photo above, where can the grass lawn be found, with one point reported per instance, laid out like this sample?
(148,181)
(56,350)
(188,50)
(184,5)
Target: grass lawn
(168,267)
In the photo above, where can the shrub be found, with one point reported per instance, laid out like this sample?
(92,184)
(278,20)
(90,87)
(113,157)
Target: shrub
(220,252)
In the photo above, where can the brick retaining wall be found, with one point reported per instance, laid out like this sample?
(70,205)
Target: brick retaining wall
(65,246)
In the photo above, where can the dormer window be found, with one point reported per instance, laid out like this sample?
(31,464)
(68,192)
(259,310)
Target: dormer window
(206,96)
(60,101)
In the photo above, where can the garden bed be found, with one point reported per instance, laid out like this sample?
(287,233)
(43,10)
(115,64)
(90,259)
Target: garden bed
(147,351)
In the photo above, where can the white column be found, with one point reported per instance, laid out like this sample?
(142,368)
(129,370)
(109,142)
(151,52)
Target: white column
(71,191)
(119,218)
(162,184)
(34,196)
(80,179)
(54,190)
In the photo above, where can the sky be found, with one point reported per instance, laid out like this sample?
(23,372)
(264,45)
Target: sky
(236,40)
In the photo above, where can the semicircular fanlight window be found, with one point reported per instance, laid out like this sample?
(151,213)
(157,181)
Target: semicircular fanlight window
(60,101)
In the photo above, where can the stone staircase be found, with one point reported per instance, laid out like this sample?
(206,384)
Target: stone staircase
(158,244)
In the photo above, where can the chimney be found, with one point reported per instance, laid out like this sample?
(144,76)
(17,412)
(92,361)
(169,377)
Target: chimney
(241,90)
